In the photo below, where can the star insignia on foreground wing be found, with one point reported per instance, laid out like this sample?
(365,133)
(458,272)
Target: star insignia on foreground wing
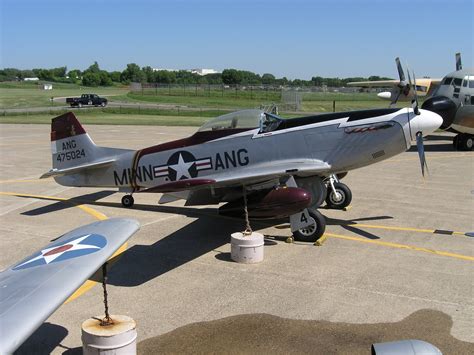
(49,255)
(182,168)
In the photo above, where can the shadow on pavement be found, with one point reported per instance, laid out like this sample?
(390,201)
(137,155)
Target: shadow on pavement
(264,333)
(44,340)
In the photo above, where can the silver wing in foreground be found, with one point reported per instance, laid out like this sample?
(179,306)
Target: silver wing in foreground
(33,289)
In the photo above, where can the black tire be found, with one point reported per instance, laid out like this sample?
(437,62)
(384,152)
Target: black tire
(463,142)
(128,201)
(103,104)
(314,232)
(345,192)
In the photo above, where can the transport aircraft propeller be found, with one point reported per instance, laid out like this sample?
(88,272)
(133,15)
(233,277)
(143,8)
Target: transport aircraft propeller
(403,86)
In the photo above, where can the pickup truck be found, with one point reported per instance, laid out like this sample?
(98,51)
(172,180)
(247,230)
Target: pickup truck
(86,99)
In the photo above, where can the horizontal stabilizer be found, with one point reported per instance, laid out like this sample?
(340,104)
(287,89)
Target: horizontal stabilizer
(77,169)
(36,286)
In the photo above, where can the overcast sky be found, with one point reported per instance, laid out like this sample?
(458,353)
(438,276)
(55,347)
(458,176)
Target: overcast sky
(296,39)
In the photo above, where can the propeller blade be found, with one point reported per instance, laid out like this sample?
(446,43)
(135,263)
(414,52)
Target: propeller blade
(402,85)
(421,152)
(395,95)
(401,74)
(414,102)
(458,61)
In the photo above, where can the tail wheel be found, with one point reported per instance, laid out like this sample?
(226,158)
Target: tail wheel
(128,201)
(315,230)
(340,198)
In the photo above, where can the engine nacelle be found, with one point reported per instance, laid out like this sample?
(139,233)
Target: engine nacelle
(269,204)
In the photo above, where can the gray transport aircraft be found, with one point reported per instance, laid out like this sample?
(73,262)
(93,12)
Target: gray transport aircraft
(276,166)
(31,290)
(453,100)
(451,97)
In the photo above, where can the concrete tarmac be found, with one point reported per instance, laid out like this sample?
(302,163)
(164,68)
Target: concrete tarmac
(396,265)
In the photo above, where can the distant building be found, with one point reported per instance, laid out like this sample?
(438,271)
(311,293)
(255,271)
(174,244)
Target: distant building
(31,79)
(197,71)
(204,71)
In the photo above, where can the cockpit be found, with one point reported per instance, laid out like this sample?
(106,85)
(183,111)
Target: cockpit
(242,120)
(457,86)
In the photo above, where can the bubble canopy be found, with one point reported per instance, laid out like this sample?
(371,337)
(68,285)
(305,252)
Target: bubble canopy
(235,120)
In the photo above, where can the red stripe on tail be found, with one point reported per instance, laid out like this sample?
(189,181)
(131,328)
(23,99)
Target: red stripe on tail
(65,126)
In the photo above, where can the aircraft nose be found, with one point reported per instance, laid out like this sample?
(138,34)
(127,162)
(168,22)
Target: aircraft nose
(426,122)
(443,106)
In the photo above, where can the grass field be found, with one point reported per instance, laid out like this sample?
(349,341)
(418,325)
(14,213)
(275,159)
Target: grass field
(112,119)
(22,95)
(197,108)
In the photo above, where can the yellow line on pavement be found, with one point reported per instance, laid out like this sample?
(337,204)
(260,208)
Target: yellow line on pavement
(26,180)
(402,246)
(419,230)
(100,216)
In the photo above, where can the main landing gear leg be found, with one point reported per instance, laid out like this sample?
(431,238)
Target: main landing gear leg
(128,201)
(339,195)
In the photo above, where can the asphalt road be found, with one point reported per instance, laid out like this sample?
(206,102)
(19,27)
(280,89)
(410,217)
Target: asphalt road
(391,268)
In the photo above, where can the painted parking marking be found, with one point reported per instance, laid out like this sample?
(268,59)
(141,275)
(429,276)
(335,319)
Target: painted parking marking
(406,229)
(24,181)
(402,246)
(100,216)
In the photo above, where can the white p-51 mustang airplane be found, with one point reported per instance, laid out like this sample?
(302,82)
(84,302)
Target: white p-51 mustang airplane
(280,164)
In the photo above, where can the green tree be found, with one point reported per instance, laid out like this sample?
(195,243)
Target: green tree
(94,68)
(231,76)
(91,79)
(165,77)
(105,79)
(133,73)
(74,75)
(268,79)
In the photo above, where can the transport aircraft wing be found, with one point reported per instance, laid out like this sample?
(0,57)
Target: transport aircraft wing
(374,84)
(247,176)
(31,290)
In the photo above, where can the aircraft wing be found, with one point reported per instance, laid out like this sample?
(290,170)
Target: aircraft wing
(378,83)
(271,170)
(33,289)
(247,176)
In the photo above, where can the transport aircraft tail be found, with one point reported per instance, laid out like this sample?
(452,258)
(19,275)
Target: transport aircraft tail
(73,151)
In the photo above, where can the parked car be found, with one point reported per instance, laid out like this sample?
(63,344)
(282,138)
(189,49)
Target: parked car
(86,99)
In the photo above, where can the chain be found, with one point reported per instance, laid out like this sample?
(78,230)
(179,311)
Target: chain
(248,229)
(107,320)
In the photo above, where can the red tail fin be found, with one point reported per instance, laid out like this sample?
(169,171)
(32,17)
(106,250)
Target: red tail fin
(65,126)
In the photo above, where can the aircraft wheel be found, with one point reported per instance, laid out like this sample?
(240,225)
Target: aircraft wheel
(128,201)
(314,231)
(464,142)
(103,104)
(341,199)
